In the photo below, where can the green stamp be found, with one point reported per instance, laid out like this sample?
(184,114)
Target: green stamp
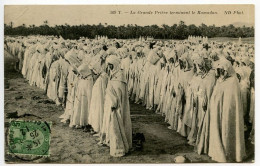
(29,137)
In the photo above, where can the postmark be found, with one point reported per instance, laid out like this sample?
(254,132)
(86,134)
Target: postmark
(29,138)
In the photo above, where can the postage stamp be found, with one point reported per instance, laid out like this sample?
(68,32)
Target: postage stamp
(29,137)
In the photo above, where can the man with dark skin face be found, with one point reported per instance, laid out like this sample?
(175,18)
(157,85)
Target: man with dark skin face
(226,117)
(117,45)
(104,48)
(109,68)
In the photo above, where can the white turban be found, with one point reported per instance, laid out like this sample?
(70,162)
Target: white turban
(114,60)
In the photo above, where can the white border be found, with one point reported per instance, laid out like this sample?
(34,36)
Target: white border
(74,2)
(127,2)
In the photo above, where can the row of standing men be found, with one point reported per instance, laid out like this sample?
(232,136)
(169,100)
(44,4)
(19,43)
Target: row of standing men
(205,91)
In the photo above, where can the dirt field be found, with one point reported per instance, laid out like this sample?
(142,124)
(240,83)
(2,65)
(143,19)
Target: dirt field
(75,146)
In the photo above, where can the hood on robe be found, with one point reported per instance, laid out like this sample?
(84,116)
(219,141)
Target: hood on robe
(87,59)
(102,54)
(95,65)
(186,58)
(227,66)
(153,57)
(111,50)
(114,60)
(122,52)
(181,49)
(116,74)
(84,70)
(201,61)
(170,54)
(246,60)
(71,56)
(40,48)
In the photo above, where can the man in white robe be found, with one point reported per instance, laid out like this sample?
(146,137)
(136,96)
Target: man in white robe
(82,97)
(54,78)
(98,95)
(226,139)
(117,126)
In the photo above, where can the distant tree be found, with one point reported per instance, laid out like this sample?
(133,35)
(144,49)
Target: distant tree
(129,31)
(45,22)
(11,24)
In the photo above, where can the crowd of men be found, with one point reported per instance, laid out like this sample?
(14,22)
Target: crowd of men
(204,89)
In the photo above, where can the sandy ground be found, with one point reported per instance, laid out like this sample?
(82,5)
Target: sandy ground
(75,146)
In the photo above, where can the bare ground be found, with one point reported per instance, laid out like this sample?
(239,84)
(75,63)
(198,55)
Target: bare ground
(75,146)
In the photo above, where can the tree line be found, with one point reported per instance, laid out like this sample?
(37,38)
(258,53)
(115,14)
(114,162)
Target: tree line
(130,31)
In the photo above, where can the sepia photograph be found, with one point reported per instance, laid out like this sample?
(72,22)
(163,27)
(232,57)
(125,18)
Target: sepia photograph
(129,84)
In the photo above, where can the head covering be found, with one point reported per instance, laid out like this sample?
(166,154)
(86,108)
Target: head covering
(213,55)
(246,60)
(95,65)
(122,52)
(226,65)
(40,48)
(114,60)
(153,57)
(102,54)
(71,56)
(170,54)
(84,70)
(198,59)
(181,49)
(111,50)
(87,59)
(185,57)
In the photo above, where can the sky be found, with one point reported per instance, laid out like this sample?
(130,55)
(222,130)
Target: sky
(95,14)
